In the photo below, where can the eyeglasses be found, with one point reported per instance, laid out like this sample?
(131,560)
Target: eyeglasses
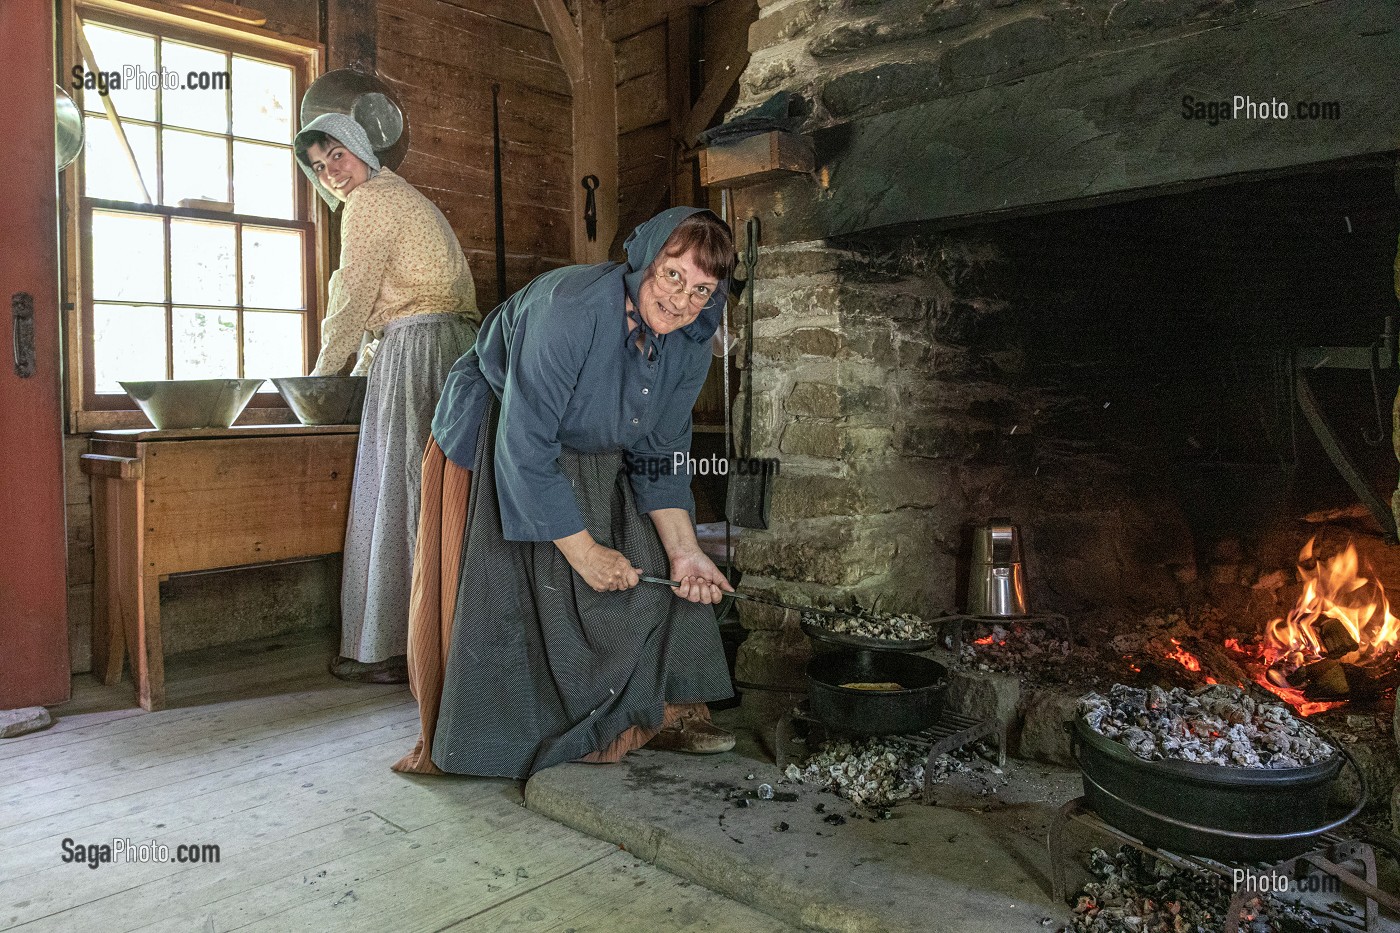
(672,284)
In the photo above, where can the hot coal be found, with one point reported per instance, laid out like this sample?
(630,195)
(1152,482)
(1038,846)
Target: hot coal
(1131,892)
(1218,725)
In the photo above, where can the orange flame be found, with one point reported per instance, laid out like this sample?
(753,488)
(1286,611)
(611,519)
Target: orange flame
(1183,657)
(1333,589)
(985,640)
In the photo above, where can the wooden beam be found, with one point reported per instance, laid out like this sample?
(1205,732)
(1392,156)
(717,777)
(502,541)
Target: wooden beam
(679,96)
(587,54)
(1067,137)
(629,17)
(568,40)
(716,89)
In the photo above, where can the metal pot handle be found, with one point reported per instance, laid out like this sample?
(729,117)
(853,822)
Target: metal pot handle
(1229,833)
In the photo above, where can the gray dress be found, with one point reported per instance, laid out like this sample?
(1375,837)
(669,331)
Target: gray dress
(542,669)
(405,381)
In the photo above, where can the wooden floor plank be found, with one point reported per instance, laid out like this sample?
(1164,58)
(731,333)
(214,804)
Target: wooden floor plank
(620,895)
(293,669)
(294,790)
(95,805)
(99,760)
(257,846)
(398,887)
(287,771)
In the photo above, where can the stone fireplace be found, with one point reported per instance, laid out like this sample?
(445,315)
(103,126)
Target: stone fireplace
(1023,283)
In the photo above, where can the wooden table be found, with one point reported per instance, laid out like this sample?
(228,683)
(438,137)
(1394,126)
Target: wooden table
(168,502)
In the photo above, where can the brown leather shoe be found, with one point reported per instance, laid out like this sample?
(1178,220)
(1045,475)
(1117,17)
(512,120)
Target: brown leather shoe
(697,736)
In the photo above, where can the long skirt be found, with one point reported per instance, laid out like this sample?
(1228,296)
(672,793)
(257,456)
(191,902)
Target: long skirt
(405,381)
(518,664)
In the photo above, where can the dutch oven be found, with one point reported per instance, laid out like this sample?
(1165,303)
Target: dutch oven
(916,706)
(1224,813)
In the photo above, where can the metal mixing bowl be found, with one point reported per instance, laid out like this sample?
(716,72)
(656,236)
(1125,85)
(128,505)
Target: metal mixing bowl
(324,399)
(192,403)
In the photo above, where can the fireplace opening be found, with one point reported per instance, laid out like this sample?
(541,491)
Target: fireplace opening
(1122,382)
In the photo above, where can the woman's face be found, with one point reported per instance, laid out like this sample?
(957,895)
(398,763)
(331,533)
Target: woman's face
(666,294)
(336,167)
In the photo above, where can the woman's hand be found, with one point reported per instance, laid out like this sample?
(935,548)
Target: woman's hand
(602,568)
(699,578)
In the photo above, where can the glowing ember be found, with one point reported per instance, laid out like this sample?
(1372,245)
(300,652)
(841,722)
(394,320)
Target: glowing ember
(987,640)
(1185,658)
(1341,617)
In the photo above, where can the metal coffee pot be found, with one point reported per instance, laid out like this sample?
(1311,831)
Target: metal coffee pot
(997,586)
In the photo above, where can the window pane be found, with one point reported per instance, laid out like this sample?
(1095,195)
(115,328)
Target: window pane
(129,344)
(128,257)
(273,344)
(106,172)
(264,99)
(262,181)
(202,266)
(190,104)
(272,268)
(124,53)
(195,166)
(206,343)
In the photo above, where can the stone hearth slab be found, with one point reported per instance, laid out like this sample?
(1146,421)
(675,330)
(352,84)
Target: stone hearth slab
(975,863)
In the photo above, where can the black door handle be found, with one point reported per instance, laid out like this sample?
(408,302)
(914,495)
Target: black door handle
(22,321)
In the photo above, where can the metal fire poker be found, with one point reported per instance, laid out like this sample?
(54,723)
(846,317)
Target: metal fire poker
(759,599)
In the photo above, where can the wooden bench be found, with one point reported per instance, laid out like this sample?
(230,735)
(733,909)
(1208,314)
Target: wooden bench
(168,502)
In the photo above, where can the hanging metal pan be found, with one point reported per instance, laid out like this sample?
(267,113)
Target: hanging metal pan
(367,100)
(68,129)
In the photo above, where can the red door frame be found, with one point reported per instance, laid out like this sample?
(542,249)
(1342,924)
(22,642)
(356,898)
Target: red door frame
(34,668)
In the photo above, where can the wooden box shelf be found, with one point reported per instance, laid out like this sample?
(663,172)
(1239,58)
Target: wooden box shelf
(756,158)
(168,502)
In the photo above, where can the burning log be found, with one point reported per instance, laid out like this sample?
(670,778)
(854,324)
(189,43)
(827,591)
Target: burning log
(1336,638)
(1329,680)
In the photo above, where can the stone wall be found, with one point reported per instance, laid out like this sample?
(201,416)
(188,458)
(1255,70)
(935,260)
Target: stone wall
(857,57)
(903,413)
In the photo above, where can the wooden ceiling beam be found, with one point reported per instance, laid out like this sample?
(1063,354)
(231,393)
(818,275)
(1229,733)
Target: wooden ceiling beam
(725,76)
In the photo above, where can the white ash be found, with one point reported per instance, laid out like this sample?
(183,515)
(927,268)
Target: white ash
(874,772)
(869,623)
(1131,892)
(1218,725)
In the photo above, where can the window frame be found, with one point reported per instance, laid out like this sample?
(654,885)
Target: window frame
(89,411)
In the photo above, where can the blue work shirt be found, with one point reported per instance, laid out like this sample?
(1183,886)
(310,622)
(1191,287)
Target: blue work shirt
(558,356)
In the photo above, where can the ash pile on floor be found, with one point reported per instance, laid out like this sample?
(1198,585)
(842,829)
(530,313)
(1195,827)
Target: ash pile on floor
(1216,725)
(1134,893)
(874,772)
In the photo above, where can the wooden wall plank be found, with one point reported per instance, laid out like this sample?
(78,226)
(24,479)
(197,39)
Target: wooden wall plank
(442,56)
(642,54)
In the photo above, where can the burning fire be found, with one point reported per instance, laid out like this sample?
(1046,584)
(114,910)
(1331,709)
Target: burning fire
(1341,616)
(1183,657)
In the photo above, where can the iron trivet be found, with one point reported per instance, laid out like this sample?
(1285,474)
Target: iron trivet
(1328,858)
(949,734)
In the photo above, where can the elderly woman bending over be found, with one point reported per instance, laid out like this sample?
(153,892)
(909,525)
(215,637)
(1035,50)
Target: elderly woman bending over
(548,492)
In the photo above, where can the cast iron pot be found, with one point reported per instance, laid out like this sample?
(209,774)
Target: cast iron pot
(1229,814)
(876,712)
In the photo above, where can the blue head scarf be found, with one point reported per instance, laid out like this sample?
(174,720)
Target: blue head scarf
(644,245)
